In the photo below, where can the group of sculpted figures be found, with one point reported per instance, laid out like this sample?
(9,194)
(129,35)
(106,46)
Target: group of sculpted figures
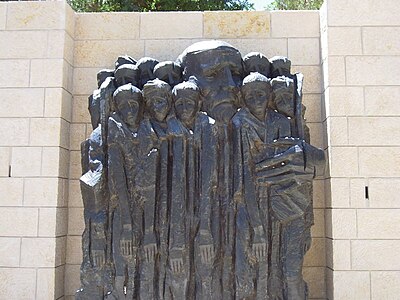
(197,179)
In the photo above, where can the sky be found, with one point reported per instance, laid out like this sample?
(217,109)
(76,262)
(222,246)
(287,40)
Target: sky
(261,4)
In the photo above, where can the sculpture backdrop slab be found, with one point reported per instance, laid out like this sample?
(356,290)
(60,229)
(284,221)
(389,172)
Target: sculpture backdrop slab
(197,179)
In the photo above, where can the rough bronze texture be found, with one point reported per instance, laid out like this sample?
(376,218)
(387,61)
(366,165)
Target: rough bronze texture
(197,179)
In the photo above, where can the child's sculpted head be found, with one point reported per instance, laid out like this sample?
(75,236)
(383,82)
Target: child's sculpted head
(256,90)
(158,97)
(129,104)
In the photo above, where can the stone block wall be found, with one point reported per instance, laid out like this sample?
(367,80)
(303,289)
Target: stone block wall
(361,64)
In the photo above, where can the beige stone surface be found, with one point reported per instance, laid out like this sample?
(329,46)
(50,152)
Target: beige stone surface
(38,252)
(338,254)
(4,161)
(268,46)
(382,100)
(337,131)
(58,103)
(357,193)
(344,41)
(375,255)
(315,257)
(80,112)
(14,44)
(26,161)
(351,285)
(317,135)
(379,161)
(338,193)
(77,136)
(312,78)
(318,229)
(75,221)
(9,252)
(18,221)
(154,25)
(294,24)
(372,70)
(344,101)
(55,162)
(385,285)
(75,197)
(313,107)
(381,40)
(47,73)
(70,20)
(383,192)
(304,51)
(378,223)
(14,131)
(85,81)
(74,250)
(36,15)
(341,223)
(315,278)
(49,132)
(343,161)
(334,71)
(75,168)
(156,48)
(46,284)
(102,54)
(53,222)
(22,102)
(14,73)
(363,12)
(319,193)
(3,15)
(11,190)
(72,282)
(17,283)
(236,24)
(60,45)
(107,26)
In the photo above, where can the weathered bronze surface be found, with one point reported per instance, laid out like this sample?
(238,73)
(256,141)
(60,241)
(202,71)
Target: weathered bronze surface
(197,179)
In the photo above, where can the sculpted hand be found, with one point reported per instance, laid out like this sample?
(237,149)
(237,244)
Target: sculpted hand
(98,258)
(126,243)
(259,244)
(206,247)
(176,260)
(150,246)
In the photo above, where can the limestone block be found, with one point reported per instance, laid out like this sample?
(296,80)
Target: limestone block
(270,47)
(107,26)
(77,136)
(80,112)
(363,12)
(22,102)
(318,229)
(236,24)
(18,221)
(36,15)
(315,257)
(102,54)
(319,194)
(374,131)
(70,20)
(385,285)
(46,283)
(383,192)
(337,131)
(11,190)
(344,101)
(84,81)
(72,281)
(379,161)
(377,255)
(341,223)
(60,45)
(315,278)
(158,25)
(351,285)
(75,171)
(26,161)
(9,252)
(344,41)
(38,252)
(14,132)
(304,51)
(74,250)
(55,162)
(75,221)
(313,107)
(381,40)
(382,100)
(312,78)
(74,194)
(338,254)
(317,135)
(14,73)
(53,222)
(14,44)
(49,132)
(372,70)
(334,71)
(58,103)
(295,23)
(357,193)
(343,161)
(378,223)
(47,73)
(42,191)
(61,251)
(3,15)
(168,49)
(338,192)
(17,283)
(4,161)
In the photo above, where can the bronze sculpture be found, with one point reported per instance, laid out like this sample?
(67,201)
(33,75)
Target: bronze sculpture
(200,189)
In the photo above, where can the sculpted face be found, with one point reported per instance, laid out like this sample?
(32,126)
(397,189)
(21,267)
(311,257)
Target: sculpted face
(186,105)
(129,109)
(218,69)
(256,97)
(158,106)
(283,91)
